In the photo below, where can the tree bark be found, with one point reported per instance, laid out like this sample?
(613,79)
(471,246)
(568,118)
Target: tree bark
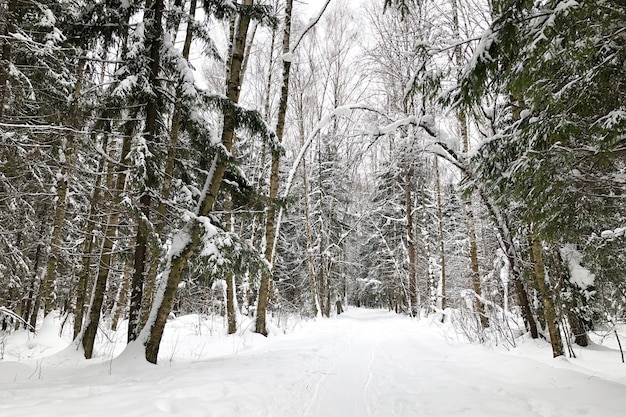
(88,244)
(469,214)
(110,234)
(264,288)
(506,244)
(568,296)
(231,313)
(167,176)
(153,15)
(471,233)
(37,302)
(539,277)
(410,234)
(122,299)
(190,236)
(441,290)
(315,304)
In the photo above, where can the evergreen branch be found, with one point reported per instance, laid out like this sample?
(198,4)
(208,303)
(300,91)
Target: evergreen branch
(250,120)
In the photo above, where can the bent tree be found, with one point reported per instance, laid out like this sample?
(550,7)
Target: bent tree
(187,240)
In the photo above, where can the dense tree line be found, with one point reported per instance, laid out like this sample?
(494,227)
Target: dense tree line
(468,162)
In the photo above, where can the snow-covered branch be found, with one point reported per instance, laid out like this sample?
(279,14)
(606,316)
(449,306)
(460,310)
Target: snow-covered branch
(40,127)
(341,111)
(309,26)
(10,313)
(443,145)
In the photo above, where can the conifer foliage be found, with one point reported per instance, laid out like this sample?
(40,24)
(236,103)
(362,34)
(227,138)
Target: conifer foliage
(558,157)
(471,168)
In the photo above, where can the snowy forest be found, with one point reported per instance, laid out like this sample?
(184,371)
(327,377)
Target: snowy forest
(463,160)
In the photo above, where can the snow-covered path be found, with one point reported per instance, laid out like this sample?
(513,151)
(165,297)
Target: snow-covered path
(362,364)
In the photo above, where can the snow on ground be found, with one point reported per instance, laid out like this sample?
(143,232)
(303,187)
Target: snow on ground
(364,363)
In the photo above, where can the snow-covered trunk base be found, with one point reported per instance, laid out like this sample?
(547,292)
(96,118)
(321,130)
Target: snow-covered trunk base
(263,299)
(559,270)
(88,334)
(231,303)
(548,302)
(186,242)
(508,247)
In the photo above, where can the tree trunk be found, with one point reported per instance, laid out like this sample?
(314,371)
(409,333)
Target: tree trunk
(471,233)
(49,280)
(327,295)
(441,290)
(230,277)
(106,254)
(189,238)
(568,299)
(122,298)
(83,278)
(550,312)
(578,328)
(507,245)
(410,242)
(507,241)
(258,217)
(321,279)
(527,314)
(160,310)
(168,175)
(62,179)
(432,288)
(469,214)
(260,171)
(315,304)
(119,171)
(529,275)
(231,293)
(37,302)
(231,311)
(264,288)
(154,32)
